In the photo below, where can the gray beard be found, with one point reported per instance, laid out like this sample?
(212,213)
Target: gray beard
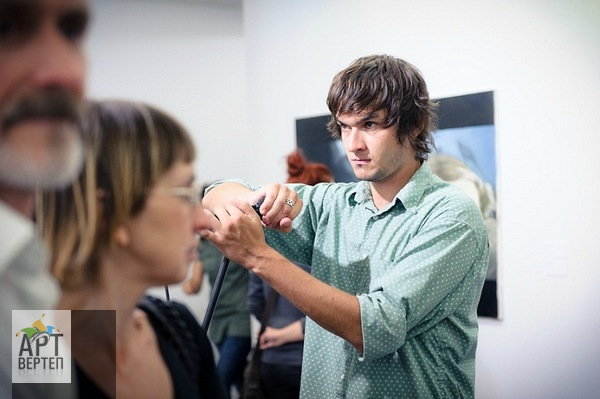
(58,167)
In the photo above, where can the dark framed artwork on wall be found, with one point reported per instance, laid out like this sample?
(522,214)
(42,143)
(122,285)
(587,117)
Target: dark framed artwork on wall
(465,155)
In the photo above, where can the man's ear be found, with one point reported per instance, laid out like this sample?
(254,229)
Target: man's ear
(416,131)
(122,236)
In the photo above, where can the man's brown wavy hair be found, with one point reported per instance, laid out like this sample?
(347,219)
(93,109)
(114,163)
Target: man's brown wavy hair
(383,82)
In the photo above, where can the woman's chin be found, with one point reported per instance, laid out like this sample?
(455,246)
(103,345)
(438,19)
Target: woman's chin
(183,273)
(175,278)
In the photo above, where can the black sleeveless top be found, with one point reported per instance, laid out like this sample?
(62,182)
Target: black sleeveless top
(185,349)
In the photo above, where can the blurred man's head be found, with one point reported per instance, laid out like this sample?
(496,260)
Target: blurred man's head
(42,70)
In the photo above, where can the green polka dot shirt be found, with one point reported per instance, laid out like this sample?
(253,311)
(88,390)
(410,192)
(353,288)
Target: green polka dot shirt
(417,267)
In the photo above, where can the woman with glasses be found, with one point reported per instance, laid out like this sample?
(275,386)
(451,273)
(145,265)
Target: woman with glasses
(127,224)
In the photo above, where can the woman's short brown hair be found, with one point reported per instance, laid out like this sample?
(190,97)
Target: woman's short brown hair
(130,146)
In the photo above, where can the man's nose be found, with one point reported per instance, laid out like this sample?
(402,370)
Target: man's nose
(60,63)
(355,140)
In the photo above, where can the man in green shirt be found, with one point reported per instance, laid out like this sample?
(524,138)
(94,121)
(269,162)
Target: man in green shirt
(398,259)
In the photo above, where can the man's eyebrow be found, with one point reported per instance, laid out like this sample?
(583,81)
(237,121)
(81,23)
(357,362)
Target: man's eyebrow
(367,117)
(370,116)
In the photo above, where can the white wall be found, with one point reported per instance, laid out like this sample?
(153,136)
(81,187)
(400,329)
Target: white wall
(239,81)
(185,57)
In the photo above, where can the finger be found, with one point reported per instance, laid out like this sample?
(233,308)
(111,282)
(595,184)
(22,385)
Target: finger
(282,206)
(208,235)
(270,205)
(298,204)
(209,222)
(244,208)
(292,207)
(295,206)
(285,225)
(230,214)
(262,340)
(221,213)
(265,196)
(258,198)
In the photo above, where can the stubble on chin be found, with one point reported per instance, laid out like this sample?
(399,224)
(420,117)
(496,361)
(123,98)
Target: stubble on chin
(364,174)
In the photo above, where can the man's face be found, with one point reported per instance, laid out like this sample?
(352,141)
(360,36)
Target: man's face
(373,149)
(42,70)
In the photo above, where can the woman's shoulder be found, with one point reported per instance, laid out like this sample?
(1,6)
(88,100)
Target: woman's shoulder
(178,331)
(170,314)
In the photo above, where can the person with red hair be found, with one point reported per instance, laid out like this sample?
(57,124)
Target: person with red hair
(301,171)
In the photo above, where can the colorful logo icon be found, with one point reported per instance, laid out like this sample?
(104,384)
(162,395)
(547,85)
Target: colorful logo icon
(37,329)
(41,351)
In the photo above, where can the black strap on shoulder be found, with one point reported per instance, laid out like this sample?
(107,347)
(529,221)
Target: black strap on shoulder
(173,325)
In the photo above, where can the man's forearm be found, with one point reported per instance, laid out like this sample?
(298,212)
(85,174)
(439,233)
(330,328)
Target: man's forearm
(331,308)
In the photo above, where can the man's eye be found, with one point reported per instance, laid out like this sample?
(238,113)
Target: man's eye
(15,29)
(73,27)
(370,125)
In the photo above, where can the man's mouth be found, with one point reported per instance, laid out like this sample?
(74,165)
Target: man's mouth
(361,161)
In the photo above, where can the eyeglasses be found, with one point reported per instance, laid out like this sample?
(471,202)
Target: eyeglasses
(193,194)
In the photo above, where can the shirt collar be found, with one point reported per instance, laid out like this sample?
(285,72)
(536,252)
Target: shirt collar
(409,196)
(15,232)
(360,193)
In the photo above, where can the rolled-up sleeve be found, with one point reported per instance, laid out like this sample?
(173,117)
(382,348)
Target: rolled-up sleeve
(424,285)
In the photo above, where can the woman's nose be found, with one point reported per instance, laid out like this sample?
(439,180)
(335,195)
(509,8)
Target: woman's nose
(202,218)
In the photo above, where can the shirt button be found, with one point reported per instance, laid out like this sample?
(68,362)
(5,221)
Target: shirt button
(342,376)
